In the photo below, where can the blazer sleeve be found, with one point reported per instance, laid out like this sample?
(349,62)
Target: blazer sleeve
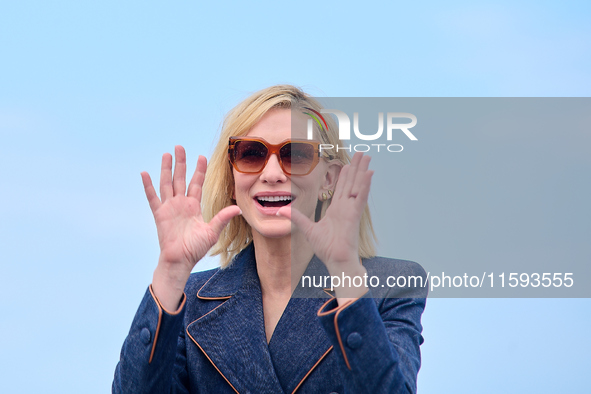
(377,341)
(153,356)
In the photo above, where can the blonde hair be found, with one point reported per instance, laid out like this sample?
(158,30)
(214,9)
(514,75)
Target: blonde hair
(218,188)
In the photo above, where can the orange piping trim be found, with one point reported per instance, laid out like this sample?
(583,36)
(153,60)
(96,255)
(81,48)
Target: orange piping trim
(180,308)
(212,363)
(157,327)
(336,325)
(210,298)
(320,313)
(311,369)
(326,291)
(199,346)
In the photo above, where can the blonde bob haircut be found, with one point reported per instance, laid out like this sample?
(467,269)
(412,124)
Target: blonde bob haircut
(218,188)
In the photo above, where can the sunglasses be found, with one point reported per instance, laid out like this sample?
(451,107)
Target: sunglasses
(296,157)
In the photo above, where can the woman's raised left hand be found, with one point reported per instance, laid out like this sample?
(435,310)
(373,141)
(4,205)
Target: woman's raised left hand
(335,238)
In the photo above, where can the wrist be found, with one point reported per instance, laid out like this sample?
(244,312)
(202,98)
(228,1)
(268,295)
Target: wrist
(351,267)
(174,268)
(171,275)
(350,280)
(168,284)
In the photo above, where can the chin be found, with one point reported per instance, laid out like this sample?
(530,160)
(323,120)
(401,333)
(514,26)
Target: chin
(275,230)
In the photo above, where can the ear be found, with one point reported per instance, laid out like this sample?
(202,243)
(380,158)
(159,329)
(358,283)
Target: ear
(331,177)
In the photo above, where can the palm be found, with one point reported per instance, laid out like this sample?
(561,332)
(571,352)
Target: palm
(183,235)
(335,238)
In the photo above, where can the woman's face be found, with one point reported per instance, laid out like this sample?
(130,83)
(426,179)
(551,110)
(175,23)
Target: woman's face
(252,189)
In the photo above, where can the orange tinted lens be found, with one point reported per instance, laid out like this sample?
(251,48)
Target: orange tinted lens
(250,156)
(297,157)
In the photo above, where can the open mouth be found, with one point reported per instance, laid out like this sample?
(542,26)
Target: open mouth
(274,201)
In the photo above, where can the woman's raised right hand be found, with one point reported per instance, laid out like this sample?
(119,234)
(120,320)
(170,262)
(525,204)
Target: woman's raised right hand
(183,235)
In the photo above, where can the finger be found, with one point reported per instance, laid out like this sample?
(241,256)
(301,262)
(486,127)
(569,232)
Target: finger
(358,182)
(364,164)
(350,179)
(223,217)
(365,185)
(151,195)
(301,221)
(340,186)
(196,184)
(180,170)
(166,177)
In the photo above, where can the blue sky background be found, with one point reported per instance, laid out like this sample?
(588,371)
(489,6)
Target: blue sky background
(92,93)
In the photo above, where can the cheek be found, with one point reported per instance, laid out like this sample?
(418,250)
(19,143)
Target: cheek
(310,190)
(242,185)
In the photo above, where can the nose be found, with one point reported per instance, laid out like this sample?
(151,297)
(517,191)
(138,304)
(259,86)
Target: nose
(273,173)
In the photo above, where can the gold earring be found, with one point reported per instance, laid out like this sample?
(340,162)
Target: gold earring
(324,197)
(330,193)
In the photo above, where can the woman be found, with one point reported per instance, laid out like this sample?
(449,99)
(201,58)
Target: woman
(275,208)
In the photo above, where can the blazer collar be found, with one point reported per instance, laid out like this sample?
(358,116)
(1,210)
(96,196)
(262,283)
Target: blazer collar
(233,336)
(226,282)
(242,273)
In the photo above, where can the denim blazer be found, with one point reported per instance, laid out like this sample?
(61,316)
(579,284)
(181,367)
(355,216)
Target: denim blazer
(216,343)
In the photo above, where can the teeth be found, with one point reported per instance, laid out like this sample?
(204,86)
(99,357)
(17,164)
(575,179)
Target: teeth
(274,198)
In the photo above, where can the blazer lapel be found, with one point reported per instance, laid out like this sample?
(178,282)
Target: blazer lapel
(232,335)
(298,343)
